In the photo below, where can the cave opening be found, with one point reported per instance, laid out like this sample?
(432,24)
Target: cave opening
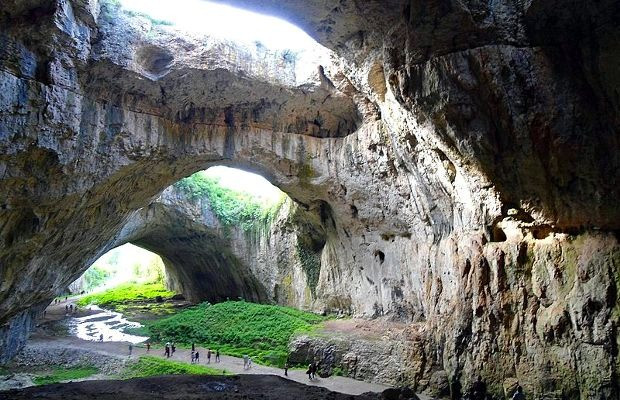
(126,264)
(222,21)
(261,35)
(208,237)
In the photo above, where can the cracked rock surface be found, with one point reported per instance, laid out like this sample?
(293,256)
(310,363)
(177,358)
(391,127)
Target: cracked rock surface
(455,165)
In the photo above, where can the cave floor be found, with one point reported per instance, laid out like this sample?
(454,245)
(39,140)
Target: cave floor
(51,336)
(265,387)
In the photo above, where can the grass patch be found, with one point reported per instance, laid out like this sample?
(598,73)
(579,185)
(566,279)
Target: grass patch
(237,328)
(154,366)
(65,374)
(119,296)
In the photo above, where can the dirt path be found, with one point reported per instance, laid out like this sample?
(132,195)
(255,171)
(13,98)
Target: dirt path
(230,364)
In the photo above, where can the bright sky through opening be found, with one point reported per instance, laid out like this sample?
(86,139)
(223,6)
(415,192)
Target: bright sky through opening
(242,181)
(224,22)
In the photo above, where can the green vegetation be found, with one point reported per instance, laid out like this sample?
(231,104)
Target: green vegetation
(154,21)
(94,277)
(237,328)
(231,207)
(116,297)
(65,374)
(153,366)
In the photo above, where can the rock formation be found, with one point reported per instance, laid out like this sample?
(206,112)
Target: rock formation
(460,160)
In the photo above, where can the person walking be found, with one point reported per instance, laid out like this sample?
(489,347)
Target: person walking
(208,356)
(130,348)
(148,347)
(217,355)
(286,366)
(167,350)
(197,358)
(245,361)
(101,337)
(193,356)
(174,348)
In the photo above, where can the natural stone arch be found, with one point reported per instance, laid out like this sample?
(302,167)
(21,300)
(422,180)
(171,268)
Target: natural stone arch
(199,261)
(424,180)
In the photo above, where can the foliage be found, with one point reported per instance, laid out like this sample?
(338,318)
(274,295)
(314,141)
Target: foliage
(94,277)
(153,366)
(65,374)
(237,328)
(114,298)
(154,21)
(231,207)
(149,271)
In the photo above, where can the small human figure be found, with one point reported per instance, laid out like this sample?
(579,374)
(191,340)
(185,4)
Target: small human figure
(130,348)
(208,356)
(167,350)
(66,297)
(245,361)
(193,346)
(193,356)
(101,337)
(479,389)
(66,309)
(71,308)
(249,362)
(217,355)
(173,348)
(286,366)
(197,358)
(148,347)
(309,371)
(518,394)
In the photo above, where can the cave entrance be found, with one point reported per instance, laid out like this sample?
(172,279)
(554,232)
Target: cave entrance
(126,264)
(221,21)
(213,230)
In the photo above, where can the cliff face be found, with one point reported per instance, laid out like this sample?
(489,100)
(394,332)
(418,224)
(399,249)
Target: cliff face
(462,176)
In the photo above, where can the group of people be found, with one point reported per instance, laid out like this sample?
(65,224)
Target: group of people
(169,349)
(312,370)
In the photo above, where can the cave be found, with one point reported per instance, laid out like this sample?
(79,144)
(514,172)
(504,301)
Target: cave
(403,138)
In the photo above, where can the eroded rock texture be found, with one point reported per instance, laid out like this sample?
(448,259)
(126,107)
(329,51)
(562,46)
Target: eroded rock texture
(460,159)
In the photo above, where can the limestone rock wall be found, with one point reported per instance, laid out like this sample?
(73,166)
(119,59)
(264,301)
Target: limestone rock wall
(463,175)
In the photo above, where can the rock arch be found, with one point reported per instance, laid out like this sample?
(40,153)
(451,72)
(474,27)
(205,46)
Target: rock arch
(420,170)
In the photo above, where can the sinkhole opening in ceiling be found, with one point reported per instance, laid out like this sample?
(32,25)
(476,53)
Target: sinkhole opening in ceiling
(253,185)
(224,22)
